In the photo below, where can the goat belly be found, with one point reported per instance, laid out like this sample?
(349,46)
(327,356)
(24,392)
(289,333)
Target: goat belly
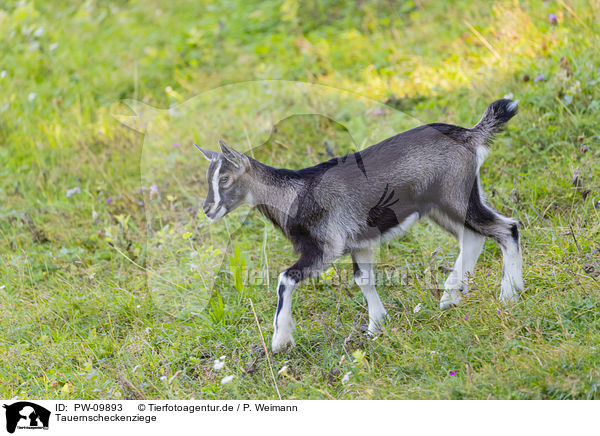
(386,226)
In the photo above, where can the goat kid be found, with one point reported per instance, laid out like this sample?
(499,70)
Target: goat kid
(349,204)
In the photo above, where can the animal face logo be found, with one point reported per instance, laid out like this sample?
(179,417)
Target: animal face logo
(26,415)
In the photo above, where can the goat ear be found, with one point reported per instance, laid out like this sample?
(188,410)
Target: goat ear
(209,155)
(237,159)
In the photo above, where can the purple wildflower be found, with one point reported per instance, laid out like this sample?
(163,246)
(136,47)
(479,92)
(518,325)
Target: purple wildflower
(153,191)
(498,311)
(539,78)
(176,145)
(454,373)
(466,317)
(109,200)
(377,111)
(488,274)
(75,190)
(553,19)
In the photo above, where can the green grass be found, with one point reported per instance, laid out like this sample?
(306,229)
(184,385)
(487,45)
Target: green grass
(136,296)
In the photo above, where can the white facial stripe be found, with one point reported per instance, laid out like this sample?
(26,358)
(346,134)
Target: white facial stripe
(220,213)
(215,186)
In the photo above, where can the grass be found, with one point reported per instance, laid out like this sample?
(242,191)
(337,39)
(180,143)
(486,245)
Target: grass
(117,292)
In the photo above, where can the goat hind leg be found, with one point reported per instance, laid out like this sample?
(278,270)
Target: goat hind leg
(512,263)
(506,234)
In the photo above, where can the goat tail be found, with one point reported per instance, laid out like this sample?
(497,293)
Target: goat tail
(494,118)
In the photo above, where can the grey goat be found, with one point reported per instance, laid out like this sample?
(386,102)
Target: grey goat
(349,204)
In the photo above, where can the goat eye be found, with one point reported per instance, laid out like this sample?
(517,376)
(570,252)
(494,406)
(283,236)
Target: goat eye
(224,180)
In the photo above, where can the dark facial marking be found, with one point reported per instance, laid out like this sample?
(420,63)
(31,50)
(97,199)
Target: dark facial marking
(210,196)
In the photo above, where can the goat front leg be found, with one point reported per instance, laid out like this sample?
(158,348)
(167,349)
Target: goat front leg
(364,276)
(283,324)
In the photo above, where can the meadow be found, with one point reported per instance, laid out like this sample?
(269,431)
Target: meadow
(113,283)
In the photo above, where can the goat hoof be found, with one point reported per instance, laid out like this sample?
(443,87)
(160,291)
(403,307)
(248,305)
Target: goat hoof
(509,290)
(450,299)
(281,343)
(509,297)
(376,325)
(373,331)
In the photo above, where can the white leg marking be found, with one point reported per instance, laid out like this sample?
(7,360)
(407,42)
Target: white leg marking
(283,323)
(365,279)
(512,278)
(456,285)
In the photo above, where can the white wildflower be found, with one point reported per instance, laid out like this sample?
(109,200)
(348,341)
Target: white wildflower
(39,32)
(163,378)
(2,74)
(53,46)
(219,363)
(31,96)
(346,378)
(417,308)
(283,370)
(509,96)
(227,379)
(92,275)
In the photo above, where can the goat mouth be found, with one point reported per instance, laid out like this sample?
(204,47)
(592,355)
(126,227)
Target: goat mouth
(217,214)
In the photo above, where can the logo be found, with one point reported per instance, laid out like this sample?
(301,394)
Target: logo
(26,415)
